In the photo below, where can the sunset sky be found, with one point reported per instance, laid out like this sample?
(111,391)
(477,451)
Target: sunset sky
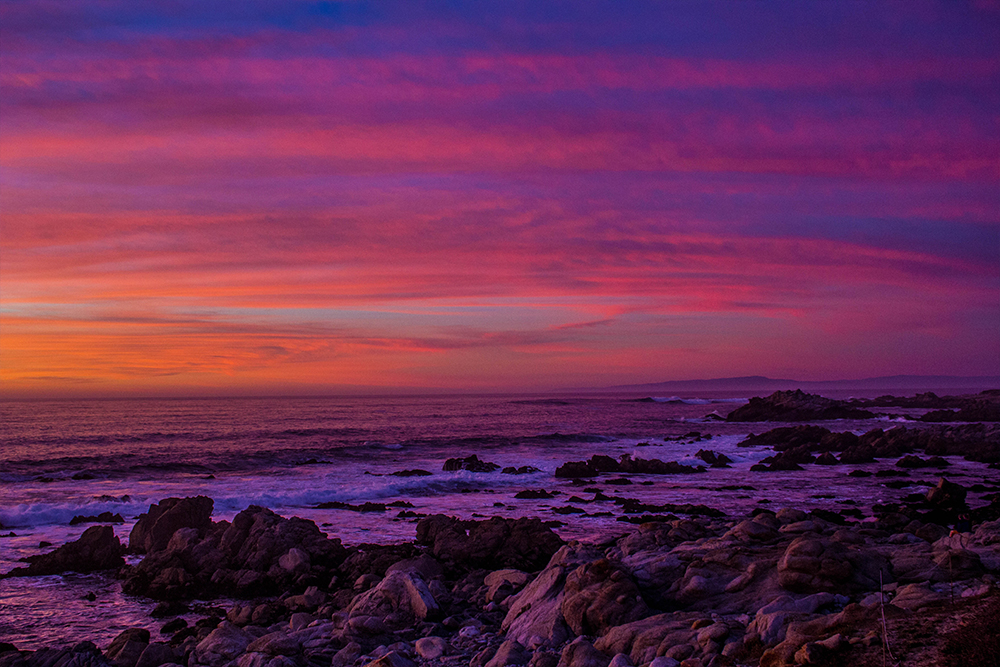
(275,197)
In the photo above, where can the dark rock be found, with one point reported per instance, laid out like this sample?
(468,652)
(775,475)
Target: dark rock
(103,517)
(497,543)
(529,494)
(170,627)
(417,472)
(470,463)
(795,406)
(911,461)
(97,549)
(625,464)
(166,609)
(787,437)
(947,496)
(714,459)
(153,530)
(523,470)
(826,459)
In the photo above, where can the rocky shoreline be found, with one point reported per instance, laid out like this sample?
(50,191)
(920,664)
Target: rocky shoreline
(915,580)
(773,588)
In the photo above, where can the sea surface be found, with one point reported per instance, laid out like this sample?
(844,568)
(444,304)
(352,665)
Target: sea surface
(60,459)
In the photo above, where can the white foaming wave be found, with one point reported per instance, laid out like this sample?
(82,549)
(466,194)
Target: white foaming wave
(333,487)
(696,401)
(42,514)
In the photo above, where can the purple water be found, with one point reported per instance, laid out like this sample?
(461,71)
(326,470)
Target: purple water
(59,459)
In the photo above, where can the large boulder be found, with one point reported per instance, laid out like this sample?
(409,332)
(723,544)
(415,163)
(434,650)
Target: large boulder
(96,549)
(400,600)
(599,596)
(535,615)
(153,530)
(811,565)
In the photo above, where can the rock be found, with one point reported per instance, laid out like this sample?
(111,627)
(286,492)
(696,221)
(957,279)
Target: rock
(300,620)
(347,656)
(103,517)
(424,565)
(599,596)
(400,600)
(916,596)
(223,644)
(275,643)
(751,531)
(503,583)
(470,463)
(620,660)
(812,564)
(792,406)
(430,648)
(296,560)
(529,494)
(312,598)
(497,543)
(511,652)
(153,530)
(535,615)
(157,654)
(96,549)
(947,496)
(581,653)
(392,659)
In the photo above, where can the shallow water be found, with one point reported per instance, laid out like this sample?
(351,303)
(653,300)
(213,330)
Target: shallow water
(65,458)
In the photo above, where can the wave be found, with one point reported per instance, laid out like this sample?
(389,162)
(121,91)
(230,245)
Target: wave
(677,400)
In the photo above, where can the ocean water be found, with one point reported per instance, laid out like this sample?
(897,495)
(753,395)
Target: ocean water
(59,459)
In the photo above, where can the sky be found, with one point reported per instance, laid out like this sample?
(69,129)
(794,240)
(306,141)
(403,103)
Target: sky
(307,197)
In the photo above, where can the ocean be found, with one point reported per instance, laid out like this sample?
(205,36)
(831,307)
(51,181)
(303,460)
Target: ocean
(61,459)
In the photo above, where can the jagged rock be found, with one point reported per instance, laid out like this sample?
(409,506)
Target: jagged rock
(793,406)
(96,549)
(470,463)
(524,544)
(153,530)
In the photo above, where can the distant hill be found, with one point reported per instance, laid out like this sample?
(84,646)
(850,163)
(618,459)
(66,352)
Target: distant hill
(762,384)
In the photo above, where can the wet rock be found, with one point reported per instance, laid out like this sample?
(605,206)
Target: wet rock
(470,463)
(96,549)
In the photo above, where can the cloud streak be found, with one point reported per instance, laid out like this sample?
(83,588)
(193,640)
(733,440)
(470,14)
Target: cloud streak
(307,195)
